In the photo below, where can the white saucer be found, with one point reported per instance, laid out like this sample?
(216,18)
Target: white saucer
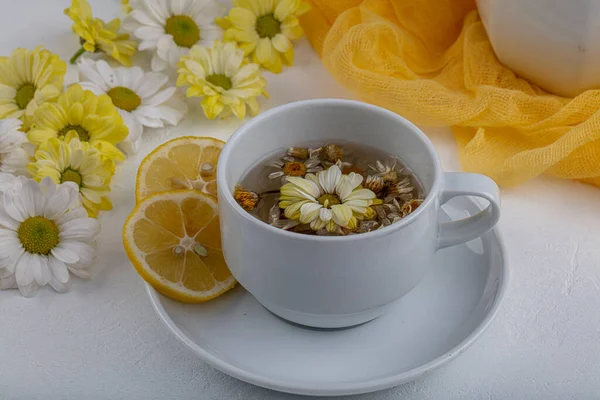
(430,326)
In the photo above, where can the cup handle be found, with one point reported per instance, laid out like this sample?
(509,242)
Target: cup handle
(465,184)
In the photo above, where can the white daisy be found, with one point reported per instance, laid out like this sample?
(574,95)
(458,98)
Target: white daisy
(13,158)
(327,200)
(44,235)
(140,97)
(171,27)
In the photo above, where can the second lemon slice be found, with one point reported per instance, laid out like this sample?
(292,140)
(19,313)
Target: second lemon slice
(173,239)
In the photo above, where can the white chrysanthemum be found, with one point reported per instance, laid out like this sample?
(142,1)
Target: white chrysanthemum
(44,234)
(326,200)
(140,97)
(13,158)
(171,27)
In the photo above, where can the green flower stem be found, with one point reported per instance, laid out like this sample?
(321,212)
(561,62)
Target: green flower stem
(76,55)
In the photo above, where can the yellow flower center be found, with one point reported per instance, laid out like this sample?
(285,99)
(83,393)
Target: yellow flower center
(267,26)
(24,95)
(248,200)
(221,80)
(294,168)
(71,175)
(184,30)
(328,200)
(124,98)
(38,235)
(83,134)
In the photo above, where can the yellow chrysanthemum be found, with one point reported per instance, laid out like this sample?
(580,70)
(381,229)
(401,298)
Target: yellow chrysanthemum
(97,35)
(219,75)
(29,78)
(265,29)
(75,161)
(89,117)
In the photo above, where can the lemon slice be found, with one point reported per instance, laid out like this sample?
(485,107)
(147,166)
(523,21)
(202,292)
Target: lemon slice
(173,240)
(187,162)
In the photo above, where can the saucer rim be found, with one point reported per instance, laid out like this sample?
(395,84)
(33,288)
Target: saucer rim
(347,388)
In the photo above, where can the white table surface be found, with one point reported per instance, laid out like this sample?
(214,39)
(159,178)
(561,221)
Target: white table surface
(102,340)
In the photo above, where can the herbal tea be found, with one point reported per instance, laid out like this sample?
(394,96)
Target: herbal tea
(330,189)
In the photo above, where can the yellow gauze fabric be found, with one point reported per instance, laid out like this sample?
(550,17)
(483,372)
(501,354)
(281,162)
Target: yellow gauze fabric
(431,61)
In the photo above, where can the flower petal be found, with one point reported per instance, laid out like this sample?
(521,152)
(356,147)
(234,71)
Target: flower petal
(59,202)
(264,52)
(88,69)
(40,269)
(7,181)
(242,18)
(149,33)
(343,188)
(325,214)
(83,229)
(151,83)
(28,290)
(306,186)
(355,180)
(159,97)
(170,114)
(341,214)
(23,271)
(107,73)
(20,204)
(281,43)
(293,210)
(7,221)
(10,248)
(79,271)
(285,8)
(75,212)
(158,64)
(312,178)
(361,194)
(309,211)
(58,285)
(317,224)
(329,179)
(59,270)
(66,254)
(144,18)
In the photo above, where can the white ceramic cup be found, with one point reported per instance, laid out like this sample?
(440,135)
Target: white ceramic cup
(339,281)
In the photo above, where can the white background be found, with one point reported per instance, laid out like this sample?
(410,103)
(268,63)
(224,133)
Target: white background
(102,340)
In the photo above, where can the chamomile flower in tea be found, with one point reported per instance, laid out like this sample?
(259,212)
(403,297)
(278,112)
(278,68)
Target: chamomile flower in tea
(327,200)
(330,189)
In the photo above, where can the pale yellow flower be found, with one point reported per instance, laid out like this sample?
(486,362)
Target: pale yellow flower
(327,200)
(79,162)
(219,75)
(29,78)
(89,117)
(97,35)
(265,29)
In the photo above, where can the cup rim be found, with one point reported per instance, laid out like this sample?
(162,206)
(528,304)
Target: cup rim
(223,186)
